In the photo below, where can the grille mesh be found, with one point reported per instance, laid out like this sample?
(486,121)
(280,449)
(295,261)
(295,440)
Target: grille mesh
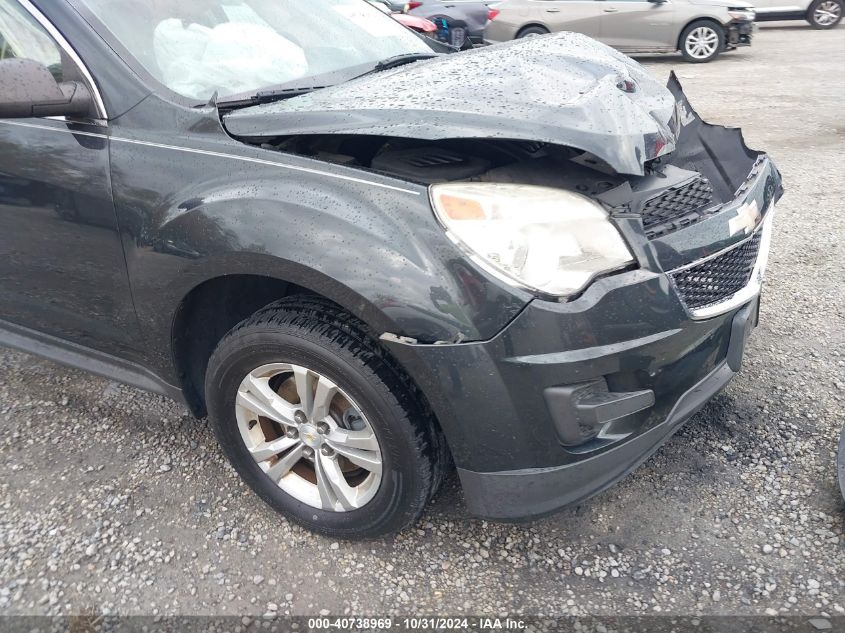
(676,208)
(718,279)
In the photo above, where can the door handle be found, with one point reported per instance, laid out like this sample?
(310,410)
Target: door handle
(611,10)
(552,10)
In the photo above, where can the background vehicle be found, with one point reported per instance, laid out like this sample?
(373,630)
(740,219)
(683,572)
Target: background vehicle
(421,25)
(821,14)
(464,18)
(700,29)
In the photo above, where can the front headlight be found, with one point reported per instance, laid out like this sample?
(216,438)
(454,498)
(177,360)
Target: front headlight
(742,14)
(546,239)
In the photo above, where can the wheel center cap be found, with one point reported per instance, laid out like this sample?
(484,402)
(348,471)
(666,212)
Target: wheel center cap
(310,436)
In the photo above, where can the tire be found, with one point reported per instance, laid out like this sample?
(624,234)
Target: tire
(308,333)
(702,41)
(825,14)
(532,31)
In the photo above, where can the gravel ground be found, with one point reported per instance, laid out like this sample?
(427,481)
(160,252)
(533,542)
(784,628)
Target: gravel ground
(116,501)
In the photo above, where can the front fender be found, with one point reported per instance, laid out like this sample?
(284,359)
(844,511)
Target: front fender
(368,242)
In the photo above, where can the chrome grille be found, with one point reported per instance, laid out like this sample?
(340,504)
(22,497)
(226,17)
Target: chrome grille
(719,278)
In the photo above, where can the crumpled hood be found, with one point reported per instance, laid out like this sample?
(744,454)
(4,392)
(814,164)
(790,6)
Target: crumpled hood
(561,89)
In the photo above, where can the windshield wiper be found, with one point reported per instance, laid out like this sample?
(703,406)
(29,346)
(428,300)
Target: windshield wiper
(398,60)
(267,96)
(401,60)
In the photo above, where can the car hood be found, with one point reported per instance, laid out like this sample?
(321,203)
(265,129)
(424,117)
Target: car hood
(564,89)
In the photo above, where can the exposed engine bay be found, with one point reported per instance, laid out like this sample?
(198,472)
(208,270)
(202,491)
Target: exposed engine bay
(474,160)
(706,170)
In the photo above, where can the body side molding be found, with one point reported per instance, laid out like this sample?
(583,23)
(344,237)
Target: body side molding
(86,359)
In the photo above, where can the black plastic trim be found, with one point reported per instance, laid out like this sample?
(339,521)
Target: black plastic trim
(532,493)
(86,359)
(582,411)
(743,323)
(778,16)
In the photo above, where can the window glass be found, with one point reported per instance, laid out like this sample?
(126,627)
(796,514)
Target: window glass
(21,36)
(237,47)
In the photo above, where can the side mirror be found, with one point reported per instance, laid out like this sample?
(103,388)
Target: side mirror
(27,89)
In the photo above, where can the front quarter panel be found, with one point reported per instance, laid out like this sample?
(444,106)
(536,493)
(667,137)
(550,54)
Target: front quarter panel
(196,205)
(691,12)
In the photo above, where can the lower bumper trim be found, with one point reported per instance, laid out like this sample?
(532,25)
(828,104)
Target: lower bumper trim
(535,492)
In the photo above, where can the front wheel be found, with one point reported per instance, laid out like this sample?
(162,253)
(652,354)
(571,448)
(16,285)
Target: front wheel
(320,423)
(702,42)
(825,14)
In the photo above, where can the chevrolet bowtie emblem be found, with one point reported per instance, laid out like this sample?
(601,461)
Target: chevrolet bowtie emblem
(747,217)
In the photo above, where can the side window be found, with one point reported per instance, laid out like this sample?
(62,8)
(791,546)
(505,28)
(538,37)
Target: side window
(22,36)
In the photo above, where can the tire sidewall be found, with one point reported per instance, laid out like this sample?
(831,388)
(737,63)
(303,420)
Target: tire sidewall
(720,33)
(238,356)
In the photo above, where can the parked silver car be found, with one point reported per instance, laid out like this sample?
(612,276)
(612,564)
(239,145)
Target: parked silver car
(463,18)
(699,29)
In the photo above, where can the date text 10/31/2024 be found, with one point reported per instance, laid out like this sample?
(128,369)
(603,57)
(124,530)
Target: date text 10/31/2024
(416,624)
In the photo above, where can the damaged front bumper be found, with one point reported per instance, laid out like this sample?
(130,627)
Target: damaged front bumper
(739,34)
(573,395)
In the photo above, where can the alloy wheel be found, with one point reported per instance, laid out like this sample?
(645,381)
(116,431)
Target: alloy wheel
(309,437)
(827,13)
(702,42)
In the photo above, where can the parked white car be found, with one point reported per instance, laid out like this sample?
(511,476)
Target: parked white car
(821,14)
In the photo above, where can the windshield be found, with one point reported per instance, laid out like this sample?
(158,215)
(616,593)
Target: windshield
(235,47)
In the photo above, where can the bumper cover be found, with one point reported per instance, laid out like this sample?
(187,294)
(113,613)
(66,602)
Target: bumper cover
(530,493)
(739,34)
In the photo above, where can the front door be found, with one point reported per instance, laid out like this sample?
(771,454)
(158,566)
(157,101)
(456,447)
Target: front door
(637,25)
(62,268)
(578,16)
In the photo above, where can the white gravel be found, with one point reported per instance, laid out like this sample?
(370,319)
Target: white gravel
(116,501)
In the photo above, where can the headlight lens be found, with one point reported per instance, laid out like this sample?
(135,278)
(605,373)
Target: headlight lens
(743,15)
(546,239)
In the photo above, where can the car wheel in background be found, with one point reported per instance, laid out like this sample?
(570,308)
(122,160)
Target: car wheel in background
(702,41)
(321,423)
(532,31)
(825,14)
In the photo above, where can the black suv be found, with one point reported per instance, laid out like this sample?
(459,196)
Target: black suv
(366,256)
